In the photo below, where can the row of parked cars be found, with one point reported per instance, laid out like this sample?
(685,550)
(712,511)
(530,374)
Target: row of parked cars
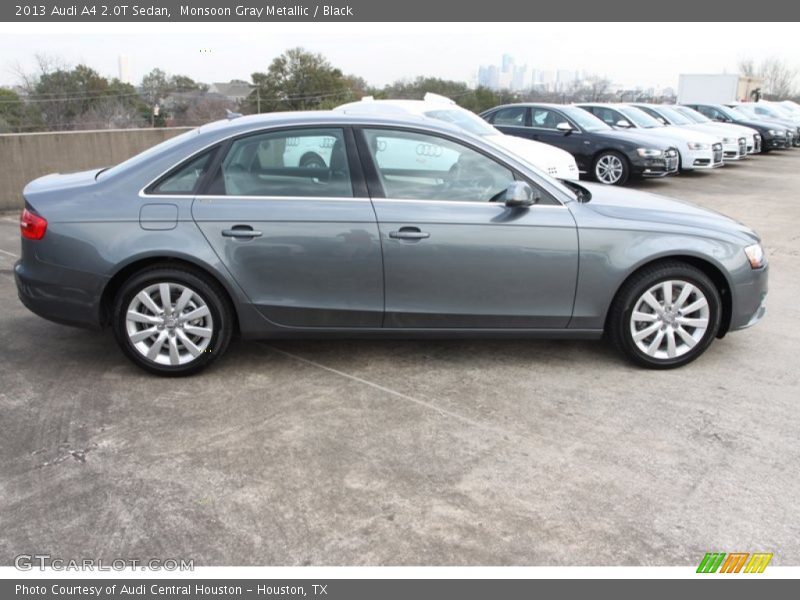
(614,142)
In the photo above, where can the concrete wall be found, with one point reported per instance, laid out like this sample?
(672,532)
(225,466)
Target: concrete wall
(26,156)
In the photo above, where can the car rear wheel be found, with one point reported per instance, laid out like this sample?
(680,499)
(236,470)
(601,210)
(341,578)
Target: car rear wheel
(611,168)
(665,316)
(171,321)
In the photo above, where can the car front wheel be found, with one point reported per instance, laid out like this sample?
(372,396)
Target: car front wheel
(665,316)
(171,321)
(611,168)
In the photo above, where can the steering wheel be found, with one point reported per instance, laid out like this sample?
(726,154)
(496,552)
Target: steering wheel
(479,183)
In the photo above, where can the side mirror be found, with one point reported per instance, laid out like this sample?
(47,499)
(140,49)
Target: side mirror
(520,195)
(564,127)
(623,123)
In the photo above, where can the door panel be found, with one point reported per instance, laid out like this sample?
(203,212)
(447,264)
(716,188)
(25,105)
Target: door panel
(313,259)
(452,256)
(482,266)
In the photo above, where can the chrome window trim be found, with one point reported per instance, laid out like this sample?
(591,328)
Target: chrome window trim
(230,137)
(557,194)
(463,202)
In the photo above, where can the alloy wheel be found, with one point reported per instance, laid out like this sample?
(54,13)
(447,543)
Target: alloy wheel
(169,324)
(609,169)
(669,319)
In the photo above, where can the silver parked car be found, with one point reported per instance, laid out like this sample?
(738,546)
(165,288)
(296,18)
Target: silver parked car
(398,227)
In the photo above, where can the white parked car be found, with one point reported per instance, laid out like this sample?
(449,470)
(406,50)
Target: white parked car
(753,137)
(792,106)
(549,159)
(734,137)
(697,150)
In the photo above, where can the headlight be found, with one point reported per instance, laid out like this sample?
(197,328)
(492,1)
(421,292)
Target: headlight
(649,152)
(755,254)
(775,132)
(698,146)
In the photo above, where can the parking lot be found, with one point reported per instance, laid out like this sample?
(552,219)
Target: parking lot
(415,452)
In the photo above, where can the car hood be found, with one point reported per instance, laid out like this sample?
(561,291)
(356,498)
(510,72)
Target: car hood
(634,205)
(747,122)
(718,132)
(60,181)
(680,135)
(635,135)
(541,155)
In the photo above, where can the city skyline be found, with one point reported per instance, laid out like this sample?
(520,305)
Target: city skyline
(631,55)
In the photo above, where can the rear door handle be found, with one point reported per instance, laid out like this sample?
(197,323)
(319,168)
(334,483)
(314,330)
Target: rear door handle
(409,233)
(241,231)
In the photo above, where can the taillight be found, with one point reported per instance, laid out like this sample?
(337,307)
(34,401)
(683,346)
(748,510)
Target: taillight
(31,226)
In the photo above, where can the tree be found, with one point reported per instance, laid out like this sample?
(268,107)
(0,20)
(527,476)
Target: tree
(476,100)
(14,114)
(64,96)
(299,80)
(779,78)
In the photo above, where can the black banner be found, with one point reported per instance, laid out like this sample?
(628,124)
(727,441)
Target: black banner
(408,10)
(394,589)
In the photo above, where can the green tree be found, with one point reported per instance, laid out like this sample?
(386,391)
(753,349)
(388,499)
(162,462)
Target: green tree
(299,80)
(15,115)
(476,100)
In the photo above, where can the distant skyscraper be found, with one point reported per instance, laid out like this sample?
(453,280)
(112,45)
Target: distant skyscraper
(125,68)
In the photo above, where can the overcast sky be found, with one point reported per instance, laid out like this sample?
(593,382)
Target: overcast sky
(646,54)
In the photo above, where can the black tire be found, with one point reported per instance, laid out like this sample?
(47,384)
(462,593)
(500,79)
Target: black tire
(619,323)
(617,158)
(681,168)
(207,291)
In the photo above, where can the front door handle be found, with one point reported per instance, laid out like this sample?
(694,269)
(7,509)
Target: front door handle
(409,233)
(241,231)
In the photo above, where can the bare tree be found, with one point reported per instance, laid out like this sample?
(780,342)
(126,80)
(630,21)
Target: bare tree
(109,114)
(779,78)
(747,67)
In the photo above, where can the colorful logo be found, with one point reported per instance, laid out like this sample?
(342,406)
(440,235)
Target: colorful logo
(734,562)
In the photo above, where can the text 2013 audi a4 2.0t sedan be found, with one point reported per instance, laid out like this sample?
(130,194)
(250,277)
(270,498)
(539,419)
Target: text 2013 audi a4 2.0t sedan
(405,227)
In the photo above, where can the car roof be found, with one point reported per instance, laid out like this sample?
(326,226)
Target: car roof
(368,105)
(243,124)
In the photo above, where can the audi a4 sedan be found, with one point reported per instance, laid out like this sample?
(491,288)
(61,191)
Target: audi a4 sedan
(222,231)
(697,150)
(773,136)
(733,137)
(609,156)
(773,114)
(753,136)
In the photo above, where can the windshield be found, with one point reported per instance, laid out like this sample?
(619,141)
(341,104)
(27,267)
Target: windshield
(781,111)
(692,114)
(585,120)
(639,117)
(730,113)
(749,109)
(464,119)
(143,156)
(674,117)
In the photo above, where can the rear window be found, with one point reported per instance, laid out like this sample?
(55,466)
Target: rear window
(149,153)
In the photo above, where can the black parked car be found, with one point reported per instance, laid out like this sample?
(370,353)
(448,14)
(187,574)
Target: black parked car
(609,156)
(773,136)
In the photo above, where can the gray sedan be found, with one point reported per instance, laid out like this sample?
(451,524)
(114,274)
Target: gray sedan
(324,224)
